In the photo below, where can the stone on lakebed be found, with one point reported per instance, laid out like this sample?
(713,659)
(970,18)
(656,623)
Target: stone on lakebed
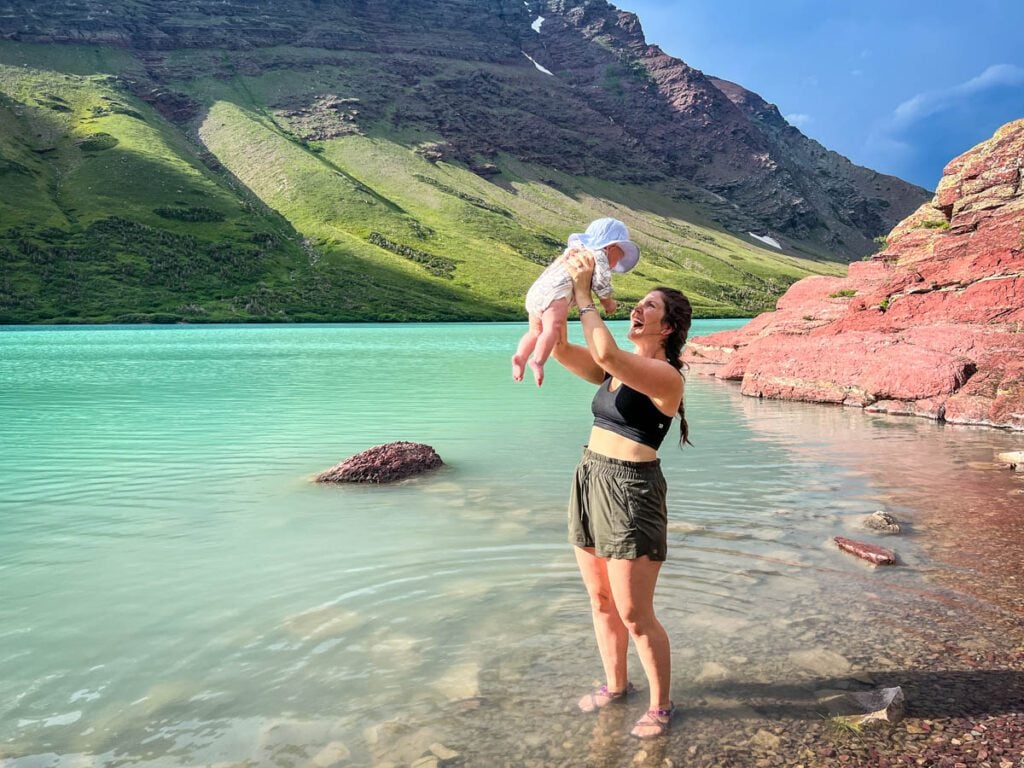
(882,522)
(869,552)
(383,464)
(882,705)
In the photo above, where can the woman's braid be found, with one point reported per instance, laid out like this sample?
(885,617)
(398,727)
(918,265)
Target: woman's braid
(678,316)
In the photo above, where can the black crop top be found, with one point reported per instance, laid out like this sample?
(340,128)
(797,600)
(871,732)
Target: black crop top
(629,413)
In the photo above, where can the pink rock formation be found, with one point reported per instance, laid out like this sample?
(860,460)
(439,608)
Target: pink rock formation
(383,464)
(932,326)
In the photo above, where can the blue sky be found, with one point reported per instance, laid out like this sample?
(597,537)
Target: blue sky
(901,86)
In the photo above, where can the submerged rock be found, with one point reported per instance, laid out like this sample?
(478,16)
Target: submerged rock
(334,753)
(869,552)
(383,464)
(711,671)
(882,522)
(765,740)
(821,661)
(442,752)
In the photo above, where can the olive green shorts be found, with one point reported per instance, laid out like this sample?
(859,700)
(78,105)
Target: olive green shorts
(618,508)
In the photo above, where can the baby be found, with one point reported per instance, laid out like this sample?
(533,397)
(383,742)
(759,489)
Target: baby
(550,296)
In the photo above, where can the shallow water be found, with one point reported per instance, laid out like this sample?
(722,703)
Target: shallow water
(177,592)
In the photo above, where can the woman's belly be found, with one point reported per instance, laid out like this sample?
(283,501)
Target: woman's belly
(618,447)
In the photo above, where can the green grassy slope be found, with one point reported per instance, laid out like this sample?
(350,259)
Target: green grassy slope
(108,212)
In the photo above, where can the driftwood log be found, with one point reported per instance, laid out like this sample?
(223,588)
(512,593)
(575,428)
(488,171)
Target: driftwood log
(870,552)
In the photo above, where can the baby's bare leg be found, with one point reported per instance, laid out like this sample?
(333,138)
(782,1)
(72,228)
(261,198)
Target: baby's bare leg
(526,345)
(552,324)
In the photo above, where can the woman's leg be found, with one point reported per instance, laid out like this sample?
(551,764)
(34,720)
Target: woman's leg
(554,322)
(632,587)
(612,636)
(526,345)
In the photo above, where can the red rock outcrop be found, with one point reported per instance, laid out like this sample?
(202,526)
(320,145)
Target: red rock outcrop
(932,326)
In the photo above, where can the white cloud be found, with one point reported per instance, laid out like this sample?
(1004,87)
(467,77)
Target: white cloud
(931,102)
(798,119)
(910,134)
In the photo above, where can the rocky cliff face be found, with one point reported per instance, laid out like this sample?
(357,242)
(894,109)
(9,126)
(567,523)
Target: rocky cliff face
(760,172)
(609,106)
(932,326)
(850,200)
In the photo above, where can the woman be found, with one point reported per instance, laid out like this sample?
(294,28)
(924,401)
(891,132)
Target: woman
(617,513)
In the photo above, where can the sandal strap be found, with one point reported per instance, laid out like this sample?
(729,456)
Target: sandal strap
(656,718)
(603,691)
(600,697)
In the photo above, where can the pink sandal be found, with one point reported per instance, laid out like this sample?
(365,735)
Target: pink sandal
(603,697)
(658,719)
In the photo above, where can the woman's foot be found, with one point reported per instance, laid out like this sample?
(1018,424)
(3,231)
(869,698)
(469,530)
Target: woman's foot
(603,697)
(654,723)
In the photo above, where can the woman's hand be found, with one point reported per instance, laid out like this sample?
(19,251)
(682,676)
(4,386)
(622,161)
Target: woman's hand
(580,265)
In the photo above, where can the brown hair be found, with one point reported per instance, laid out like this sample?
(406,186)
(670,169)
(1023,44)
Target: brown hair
(678,316)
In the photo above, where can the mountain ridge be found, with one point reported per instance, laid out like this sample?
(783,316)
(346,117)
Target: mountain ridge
(620,128)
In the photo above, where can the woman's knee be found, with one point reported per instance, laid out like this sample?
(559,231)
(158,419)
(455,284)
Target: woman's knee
(638,621)
(602,602)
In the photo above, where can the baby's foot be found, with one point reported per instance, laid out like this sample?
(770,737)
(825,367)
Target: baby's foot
(517,368)
(538,372)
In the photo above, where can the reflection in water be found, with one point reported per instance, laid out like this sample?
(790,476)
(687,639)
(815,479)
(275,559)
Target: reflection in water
(965,512)
(177,593)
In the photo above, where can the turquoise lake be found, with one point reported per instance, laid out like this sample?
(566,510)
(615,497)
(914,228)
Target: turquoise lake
(177,592)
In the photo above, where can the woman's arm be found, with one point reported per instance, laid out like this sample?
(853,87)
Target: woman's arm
(655,378)
(577,359)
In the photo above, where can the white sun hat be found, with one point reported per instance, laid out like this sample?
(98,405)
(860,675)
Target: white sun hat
(604,232)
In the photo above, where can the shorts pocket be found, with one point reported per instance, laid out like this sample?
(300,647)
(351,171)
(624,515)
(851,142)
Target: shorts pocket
(639,499)
(648,515)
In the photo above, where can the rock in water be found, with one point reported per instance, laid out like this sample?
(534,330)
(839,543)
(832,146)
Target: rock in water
(869,552)
(883,705)
(882,522)
(383,464)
